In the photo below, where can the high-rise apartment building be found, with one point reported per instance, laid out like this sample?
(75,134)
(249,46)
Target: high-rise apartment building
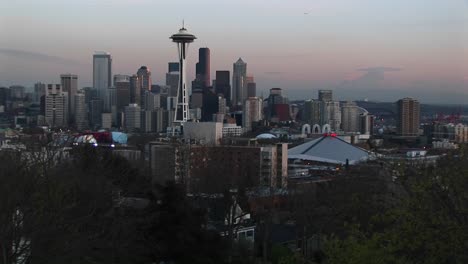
(239,87)
(332,114)
(70,86)
(312,112)
(408,117)
(252,112)
(56,106)
(350,117)
(222,85)
(102,73)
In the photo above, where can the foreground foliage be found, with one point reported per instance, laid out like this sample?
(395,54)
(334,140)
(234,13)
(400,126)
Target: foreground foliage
(429,225)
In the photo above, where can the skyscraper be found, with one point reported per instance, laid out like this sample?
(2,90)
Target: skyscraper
(172,80)
(350,118)
(252,112)
(312,112)
(173,67)
(408,117)
(331,114)
(102,73)
(203,67)
(251,87)
(70,86)
(144,78)
(56,106)
(325,95)
(132,117)
(123,94)
(39,91)
(135,90)
(81,119)
(222,85)
(239,87)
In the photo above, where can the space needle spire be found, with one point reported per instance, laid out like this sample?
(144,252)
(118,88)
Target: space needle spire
(183,38)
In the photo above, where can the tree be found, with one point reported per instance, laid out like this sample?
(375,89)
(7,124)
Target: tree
(429,224)
(177,231)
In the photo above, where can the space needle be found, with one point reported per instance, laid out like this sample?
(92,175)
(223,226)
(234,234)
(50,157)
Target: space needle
(182,38)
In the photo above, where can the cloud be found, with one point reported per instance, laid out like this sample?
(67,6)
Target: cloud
(273,73)
(35,56)
(380,69)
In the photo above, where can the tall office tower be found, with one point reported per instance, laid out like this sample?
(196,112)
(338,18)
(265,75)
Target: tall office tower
(39,91)
(121,77)
(95,111)
(312,112)
(152,101)
(102,73)
(251,87)
(222,85)
(172,80)
(325,95)
(111,106)
(182,38)
(132,117)
(239,87)
(252,112)
(135,90)
(123,91)
(90,93)
(70,86)
(350,118)
(408,117)
(332,115)
(144,78)
(202,70)
(80,111)
(173,67)
(56,106)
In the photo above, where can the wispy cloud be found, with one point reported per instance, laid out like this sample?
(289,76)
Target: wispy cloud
(35,56)
(273,73)
(380,69)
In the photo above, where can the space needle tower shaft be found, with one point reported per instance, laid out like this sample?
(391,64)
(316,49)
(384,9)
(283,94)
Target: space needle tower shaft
(183,38)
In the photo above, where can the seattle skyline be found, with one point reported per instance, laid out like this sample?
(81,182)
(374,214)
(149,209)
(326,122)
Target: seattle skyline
(361,49)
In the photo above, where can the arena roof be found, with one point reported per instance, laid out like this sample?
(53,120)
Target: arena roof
(329,149)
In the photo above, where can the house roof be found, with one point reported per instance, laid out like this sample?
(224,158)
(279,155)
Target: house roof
(328,149)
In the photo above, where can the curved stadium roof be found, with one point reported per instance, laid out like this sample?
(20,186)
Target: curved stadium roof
(328,149)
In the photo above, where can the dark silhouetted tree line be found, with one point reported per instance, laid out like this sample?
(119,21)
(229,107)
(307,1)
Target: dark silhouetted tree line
(69,207)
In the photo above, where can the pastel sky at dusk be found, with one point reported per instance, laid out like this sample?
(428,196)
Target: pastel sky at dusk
(377,49)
